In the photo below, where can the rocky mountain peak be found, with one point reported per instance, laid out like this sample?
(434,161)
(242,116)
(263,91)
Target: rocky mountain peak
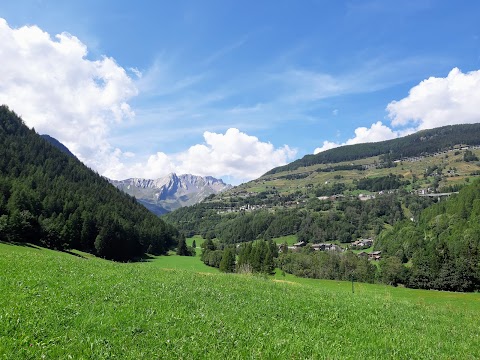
(171,191)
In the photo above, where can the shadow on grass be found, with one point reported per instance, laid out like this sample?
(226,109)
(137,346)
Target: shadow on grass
(74,254)
(143,258)
(18,243)
(38,247)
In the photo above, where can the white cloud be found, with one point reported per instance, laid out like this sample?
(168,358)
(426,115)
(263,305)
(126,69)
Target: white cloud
(306,86)
(234,155)
(52,85)
(433,103)
(327,145)
(376,132)
(440,101)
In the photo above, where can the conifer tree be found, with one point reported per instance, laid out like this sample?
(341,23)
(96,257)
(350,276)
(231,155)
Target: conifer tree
(227,264)
(268,264)
(182,249)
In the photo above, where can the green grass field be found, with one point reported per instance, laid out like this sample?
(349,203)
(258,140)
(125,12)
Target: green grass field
(198,242)
(289,239)
(59,306)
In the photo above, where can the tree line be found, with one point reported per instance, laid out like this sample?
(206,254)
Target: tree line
(327,265)
(263,256)
(250,257)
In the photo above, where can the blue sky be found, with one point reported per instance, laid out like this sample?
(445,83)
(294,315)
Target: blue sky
(286,77)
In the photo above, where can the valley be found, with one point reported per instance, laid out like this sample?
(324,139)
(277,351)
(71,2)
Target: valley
(239,180)
(332,206)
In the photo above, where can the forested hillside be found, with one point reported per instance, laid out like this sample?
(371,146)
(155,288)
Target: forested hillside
(420,143)
(313,221)
(443,247)
(52,199)
(345,201)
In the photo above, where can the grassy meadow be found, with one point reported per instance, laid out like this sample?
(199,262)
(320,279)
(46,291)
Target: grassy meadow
(289,239)
(57,305)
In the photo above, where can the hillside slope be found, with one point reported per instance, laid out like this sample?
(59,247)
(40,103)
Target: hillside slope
(57,306)
(418,144)
(352,200)
(346,201)
(50,198)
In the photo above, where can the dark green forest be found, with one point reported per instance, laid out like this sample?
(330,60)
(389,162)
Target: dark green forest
(377,184)
(420,143)
(442,248)
(51,199)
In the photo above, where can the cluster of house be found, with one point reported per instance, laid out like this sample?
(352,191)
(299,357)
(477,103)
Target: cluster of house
(243,208)
(316,247)
(374,255)
(359,244)
(361,197)
(332,197)
(365,197)
(362,244)
(424,191)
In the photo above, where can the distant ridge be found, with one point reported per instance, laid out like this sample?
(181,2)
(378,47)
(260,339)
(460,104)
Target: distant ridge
(58,145)
(171,192)
(419,143)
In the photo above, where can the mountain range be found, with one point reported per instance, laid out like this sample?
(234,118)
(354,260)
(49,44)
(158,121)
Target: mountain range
(171,192)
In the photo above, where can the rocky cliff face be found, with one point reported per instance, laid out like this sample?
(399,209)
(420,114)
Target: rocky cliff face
(172,191)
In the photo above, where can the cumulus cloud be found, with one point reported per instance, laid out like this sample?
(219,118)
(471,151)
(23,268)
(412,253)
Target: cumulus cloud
(234,155)
(55,88)
(327,145)
(440,101)
(432,103)
(377,132)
